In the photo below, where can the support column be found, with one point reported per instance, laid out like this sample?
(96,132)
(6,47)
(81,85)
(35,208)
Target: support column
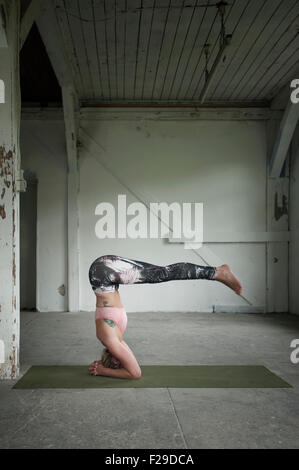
(277,221)
(9,197)
(53,40)
(70,108)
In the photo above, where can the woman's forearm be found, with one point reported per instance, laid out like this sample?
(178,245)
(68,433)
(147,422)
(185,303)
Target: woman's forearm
(118,373)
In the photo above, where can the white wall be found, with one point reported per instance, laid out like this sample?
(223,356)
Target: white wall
(219,163)
(294,226)
(43,152)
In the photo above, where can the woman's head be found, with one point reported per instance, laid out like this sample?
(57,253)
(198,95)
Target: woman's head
(110,361)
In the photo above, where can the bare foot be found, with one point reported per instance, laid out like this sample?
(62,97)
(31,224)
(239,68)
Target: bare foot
(225,275)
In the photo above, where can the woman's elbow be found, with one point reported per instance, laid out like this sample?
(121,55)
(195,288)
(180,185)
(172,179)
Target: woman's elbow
(136,374)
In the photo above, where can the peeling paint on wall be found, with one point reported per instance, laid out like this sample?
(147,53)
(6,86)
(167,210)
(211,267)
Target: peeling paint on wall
(61,290)
(2,212)
(6,176)
(13,222)
(14,268)
(12,359)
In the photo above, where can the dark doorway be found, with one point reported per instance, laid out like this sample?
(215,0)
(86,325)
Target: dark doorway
(28,226)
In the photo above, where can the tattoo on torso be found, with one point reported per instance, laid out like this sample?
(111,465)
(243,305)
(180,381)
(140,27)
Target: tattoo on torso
(110,322)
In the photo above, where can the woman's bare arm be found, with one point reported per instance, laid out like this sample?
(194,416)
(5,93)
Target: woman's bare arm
(126,346)
(130,369)
(97,368)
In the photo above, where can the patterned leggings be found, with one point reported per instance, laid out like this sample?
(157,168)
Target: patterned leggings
(107,272)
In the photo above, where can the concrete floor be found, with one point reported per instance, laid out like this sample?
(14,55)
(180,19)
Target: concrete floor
(156,418)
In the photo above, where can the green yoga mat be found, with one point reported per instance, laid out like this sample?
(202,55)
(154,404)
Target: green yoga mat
(154,377)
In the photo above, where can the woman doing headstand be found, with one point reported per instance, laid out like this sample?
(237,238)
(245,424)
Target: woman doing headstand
(105,275)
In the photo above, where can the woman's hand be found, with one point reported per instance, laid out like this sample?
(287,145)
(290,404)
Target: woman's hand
(129,369)
(96,368)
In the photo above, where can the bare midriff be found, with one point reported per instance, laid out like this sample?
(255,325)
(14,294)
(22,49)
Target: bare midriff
(112,299)
(105,332)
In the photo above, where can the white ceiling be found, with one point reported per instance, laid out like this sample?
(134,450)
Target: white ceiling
(151,51)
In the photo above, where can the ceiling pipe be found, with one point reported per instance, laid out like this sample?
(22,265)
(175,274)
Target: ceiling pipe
(214,68)
(225,40)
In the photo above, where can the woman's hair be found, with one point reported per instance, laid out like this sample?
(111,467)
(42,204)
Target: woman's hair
(110,361)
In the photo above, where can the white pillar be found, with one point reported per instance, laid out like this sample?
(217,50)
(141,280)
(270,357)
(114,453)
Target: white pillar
(70,109)
(9,197)
(277,221)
